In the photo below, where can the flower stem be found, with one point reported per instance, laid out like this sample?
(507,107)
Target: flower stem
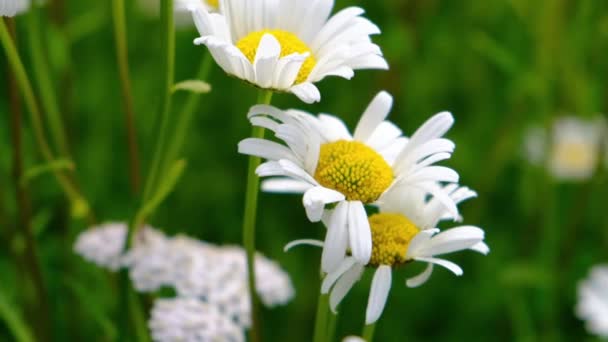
(120,36)
(79,203)
(168,59)
(368,332)
(39,300)
(184,119)
(320,332)
(251,203)
(45,85)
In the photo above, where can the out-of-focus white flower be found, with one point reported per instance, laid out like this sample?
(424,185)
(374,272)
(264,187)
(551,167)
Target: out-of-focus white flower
(353,339)
(575,148)
(151,261)
(571,150)
(592,306)
(103,244)
(216,275)
(11,8)
(288,45)
(182,8)
(535,145)
(191,320)
(323,161)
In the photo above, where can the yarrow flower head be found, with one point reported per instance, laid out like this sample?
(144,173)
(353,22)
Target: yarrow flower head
(402,232)
(592,306)
(288,45)
(189,319)
(11,8)
(103,244)
(322,160)
(571,150)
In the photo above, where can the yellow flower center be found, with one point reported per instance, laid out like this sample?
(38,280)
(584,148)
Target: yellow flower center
(213,3)
(391,236)
(354,169)
(574,155)
(290,43)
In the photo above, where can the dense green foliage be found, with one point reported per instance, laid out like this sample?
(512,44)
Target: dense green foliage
(497,65)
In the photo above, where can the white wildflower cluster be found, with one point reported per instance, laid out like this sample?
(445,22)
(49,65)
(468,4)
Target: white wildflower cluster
(571,149)
(203,275)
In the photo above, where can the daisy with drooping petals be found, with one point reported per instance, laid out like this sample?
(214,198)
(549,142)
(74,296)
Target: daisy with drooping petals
(592,303)
(11,8)
(322,160)
(402,236)
(288,45)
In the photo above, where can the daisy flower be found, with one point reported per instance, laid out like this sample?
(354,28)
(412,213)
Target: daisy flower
(10,8)
(322,160)
(402,232)
(188,319)
(288,45)
(592,306)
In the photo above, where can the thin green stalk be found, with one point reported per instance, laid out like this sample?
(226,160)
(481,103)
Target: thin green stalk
(320,331)
(184,119)
(76,199)
(331,326)
(368,332)
(168,63)
(120,37)
(251,203)
(44,82)
(39,302)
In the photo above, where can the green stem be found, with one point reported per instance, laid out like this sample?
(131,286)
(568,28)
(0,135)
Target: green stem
(331,326)
(120,36)
(168,62)
(320,331)
(76,199)
(184,119)
(45,84)
(251,203)
(39,301)
(368,332)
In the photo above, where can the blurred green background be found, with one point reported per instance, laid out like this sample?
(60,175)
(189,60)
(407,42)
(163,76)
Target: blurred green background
(497,65)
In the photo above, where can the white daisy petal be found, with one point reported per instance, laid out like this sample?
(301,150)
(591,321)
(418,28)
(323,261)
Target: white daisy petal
(306,92)
(421,278)
(359,232)
(336,240)
(309,242)
(334,275)
(444,263)
(266,60)
(376,113)
(381,285)
(481,247)
(343,285)
(285,185)
(315,200)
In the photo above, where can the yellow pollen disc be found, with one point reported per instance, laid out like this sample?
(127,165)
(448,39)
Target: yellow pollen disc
(574,154)
(290,43)
(391,236)
(354,169)
(212,3)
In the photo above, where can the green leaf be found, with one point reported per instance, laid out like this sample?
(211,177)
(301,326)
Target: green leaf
(193,86)
(14,321)
(36,171)
(164,188)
